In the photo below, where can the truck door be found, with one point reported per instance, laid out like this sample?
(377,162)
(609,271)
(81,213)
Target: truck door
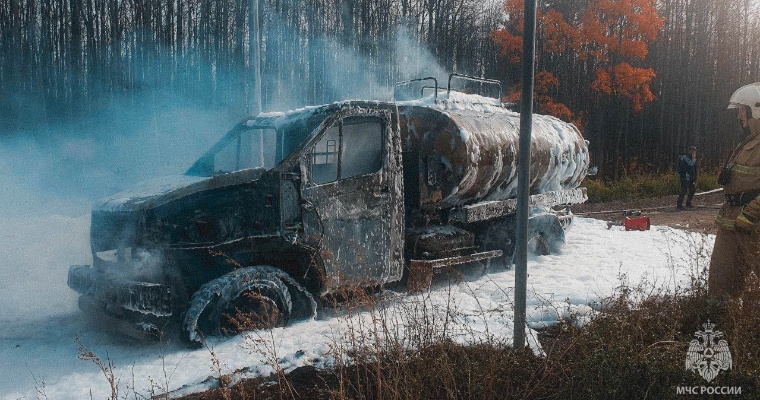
(353,197)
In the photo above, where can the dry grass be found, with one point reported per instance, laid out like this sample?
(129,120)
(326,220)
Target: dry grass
(634,349)
(643,186)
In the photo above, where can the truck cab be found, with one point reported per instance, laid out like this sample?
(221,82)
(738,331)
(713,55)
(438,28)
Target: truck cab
(311,200)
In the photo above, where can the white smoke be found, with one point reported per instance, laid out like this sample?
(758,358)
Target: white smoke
(352,75)
(51,174)
(50,177)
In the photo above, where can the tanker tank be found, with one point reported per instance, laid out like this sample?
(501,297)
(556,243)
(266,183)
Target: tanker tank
(466,150)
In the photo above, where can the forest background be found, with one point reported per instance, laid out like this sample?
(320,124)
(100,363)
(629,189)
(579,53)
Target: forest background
(643,79)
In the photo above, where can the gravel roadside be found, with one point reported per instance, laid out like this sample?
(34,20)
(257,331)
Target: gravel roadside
(661,211)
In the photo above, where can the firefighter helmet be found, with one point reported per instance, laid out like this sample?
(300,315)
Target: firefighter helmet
(747,95)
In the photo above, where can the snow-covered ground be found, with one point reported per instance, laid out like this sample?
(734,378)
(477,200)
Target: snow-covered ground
(40,323)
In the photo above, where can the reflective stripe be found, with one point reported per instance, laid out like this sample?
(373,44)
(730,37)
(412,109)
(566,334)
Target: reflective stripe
(725,223)
(745,170)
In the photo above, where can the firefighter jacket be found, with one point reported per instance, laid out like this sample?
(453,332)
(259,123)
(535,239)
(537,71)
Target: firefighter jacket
(745,177)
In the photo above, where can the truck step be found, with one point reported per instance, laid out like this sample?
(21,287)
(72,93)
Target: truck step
(421,271)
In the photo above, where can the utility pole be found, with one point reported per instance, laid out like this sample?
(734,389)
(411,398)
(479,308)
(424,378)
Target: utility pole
(523,173)
(254,59)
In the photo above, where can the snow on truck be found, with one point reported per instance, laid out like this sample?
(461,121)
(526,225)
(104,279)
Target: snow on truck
(290,208)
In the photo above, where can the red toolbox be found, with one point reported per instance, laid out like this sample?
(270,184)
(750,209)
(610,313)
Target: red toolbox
(636,223)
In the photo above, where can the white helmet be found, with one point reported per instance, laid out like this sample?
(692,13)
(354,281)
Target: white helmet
(747,95)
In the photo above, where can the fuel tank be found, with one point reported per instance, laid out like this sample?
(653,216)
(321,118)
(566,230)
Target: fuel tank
(466,151)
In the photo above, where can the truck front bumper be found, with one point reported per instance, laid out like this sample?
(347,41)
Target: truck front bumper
(150,299)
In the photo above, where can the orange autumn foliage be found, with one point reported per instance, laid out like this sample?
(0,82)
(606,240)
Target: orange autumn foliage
(510,39)
(616,33)
(511,45)
(619,28)
(558,35)
(610,36)
(627,81)
(545,83)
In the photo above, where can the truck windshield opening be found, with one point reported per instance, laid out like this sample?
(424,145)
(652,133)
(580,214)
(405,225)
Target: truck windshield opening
(253,148)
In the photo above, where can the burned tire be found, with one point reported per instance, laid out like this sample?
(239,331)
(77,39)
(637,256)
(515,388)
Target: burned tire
(258,308)
(304,306)
(245,299)
(545,234)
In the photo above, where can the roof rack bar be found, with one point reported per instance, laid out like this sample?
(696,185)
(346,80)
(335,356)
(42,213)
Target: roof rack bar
(429,78)
(481,81)
(422,91)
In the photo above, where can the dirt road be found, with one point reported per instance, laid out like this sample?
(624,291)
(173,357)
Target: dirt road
(661,211)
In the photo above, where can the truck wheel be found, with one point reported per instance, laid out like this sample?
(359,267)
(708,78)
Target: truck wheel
(304,306)
(545,233)
(497,234)
(244,299)
(257,308)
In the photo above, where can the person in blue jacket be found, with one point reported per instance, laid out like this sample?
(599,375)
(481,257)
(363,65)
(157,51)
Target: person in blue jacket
(687,171)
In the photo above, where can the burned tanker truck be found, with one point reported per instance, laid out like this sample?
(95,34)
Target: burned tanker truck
(290,208)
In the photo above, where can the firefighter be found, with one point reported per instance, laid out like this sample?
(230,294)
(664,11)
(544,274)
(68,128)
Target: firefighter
(737,246)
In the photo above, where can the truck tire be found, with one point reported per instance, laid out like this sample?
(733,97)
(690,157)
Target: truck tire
(545,234)
(304,305)
(260,307)
(244,299)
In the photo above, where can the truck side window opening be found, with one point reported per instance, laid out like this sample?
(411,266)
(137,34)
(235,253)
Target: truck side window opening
(253,148)
(350,148)
(362,147)
(324,157)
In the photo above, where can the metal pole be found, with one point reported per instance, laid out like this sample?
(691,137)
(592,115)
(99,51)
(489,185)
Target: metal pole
(254,59)
(523,173)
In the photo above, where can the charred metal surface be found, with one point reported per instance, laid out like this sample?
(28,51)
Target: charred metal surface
(111,230)
(467,156)
(496,234)
(290,204)
(356,223)
(453,261)
(142,297)
(488,210)
(247,208)
(438,241)
(208,212)
(136,325)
